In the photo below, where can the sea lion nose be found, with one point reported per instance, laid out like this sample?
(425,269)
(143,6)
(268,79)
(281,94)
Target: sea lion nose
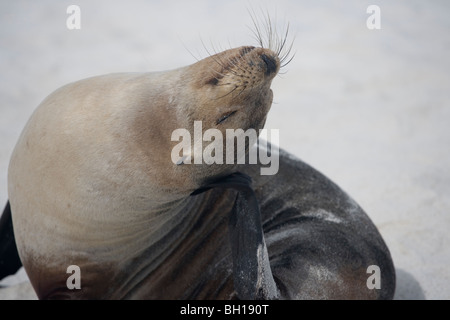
(271,64)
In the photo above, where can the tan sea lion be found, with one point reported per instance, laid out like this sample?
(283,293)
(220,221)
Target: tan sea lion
(91,183)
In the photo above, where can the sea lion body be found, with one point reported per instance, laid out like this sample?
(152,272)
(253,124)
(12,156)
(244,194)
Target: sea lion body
(91,184)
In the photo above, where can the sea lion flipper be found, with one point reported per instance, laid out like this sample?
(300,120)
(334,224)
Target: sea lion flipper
(251,268)
(9,257)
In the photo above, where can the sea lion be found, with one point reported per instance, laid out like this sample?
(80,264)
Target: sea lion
(91,184)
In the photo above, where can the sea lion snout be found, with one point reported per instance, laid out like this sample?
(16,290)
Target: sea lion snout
(261,60)
(271,64)
(235,70)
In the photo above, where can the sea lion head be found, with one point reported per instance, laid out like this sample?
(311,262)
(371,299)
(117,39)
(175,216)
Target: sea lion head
(228,90)
(233,88)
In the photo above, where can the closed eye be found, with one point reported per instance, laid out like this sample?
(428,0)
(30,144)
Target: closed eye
(225,117)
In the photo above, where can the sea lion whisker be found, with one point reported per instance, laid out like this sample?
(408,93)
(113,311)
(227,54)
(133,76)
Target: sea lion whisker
(206,49)
(214,56)
(231,61)
(243,89)
(256,37)
(190,52)
(268,36)
(286,56)
(221,63)
(256,32)
(235,87)
(285,64)
(269,31)
(286,53)
(283,42)
(219,75)
(213,47)
(265,38)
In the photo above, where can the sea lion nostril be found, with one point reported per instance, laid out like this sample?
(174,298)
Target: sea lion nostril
(271,65)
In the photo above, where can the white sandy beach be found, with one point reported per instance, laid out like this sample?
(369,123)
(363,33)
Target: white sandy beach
(368,108)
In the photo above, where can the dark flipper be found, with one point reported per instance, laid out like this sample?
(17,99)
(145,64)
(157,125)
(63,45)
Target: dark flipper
(251,269)
(9,257)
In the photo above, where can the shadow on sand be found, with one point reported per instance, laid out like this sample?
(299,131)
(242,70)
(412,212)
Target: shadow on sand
(408,288)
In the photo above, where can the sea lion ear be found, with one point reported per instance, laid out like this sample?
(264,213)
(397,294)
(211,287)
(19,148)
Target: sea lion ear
(252,275)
